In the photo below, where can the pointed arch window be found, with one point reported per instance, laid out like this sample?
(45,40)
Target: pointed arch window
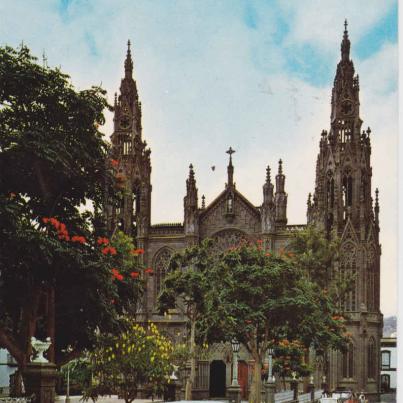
(371,293)
(230,204)
(330,199)
(161,263)
(347,194)
(371,358)
(348,362)
(348,275)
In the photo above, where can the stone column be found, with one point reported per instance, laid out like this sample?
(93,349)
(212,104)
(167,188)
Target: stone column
(294,387)
(234,394)
(311,388)
(40,380)
(270,388)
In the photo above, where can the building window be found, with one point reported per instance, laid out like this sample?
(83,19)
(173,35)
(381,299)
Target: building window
(371,360)
(161,263)
(230,204)
(385,359)
(348,362)
(348,274)
(126,147)
(347,193)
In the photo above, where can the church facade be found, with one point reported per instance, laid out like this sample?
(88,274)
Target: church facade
(341,204)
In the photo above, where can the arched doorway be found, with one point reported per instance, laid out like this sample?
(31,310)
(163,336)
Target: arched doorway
(217,378)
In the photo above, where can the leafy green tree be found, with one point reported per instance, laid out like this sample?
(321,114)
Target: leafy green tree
(261,298)
(317,256)
(140,356)
(185,286)
(59,276)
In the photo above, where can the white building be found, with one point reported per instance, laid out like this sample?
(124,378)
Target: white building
(7,367)
(388,362)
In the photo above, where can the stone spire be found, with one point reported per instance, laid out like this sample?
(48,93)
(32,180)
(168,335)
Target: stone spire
(280,197)
(345,44)
(230,168)
(376,209)
(268,207)
(191,220)
(128,62)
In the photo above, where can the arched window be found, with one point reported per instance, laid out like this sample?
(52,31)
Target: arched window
(371,280)
(347,193)
(161,262)
(371,360)
(348,274)
(330,200)
(348,362)
(230,204)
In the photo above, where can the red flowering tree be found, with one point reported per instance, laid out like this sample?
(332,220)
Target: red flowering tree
(261,298)
(56,276)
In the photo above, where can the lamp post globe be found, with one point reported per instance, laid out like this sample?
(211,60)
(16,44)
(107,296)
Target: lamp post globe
(235,345)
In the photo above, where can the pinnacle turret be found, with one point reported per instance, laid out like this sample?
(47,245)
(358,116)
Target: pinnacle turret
(345,44)
(128,62)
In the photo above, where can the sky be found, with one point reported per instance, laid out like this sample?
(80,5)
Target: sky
(254,75)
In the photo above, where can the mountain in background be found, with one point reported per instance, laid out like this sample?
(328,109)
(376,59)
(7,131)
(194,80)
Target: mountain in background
(389,326)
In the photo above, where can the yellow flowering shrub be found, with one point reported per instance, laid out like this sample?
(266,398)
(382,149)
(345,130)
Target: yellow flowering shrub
(141,356)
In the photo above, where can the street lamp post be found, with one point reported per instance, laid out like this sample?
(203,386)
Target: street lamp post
(270,385)
(234,391)
(235,349)
(270,352)
(68,384)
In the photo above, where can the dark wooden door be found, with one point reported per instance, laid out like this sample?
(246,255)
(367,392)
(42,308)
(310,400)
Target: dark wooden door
(217,379)
(243,379)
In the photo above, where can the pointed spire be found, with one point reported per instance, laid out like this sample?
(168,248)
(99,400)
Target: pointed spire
(268,178)
(376,209)
(230,168)
(115,101)
(345,44)
(128,62)
(191,173)
(203,206)
(309,200)
(280,167)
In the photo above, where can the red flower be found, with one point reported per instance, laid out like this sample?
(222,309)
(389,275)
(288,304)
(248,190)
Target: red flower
(114,163)
(259,241)
(109,249)
(149,270)
(140,251)
(102,241)
(45,220)
(248,322)
(268,254)
(134,274)
(78,238)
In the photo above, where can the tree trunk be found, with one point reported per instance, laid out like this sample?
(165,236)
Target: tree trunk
(256,386)
(191,378)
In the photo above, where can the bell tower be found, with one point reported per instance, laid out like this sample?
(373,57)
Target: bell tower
(342,206)
(129,162)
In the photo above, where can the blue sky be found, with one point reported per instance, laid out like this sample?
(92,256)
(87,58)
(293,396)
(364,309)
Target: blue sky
(255,75)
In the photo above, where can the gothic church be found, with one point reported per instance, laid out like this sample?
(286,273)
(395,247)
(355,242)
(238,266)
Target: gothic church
(341,204)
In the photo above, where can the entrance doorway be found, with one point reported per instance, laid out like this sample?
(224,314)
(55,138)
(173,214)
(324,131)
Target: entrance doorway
(217,379)
(243,379)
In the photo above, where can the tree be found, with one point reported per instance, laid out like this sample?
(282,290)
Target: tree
(185,286)
(138,356)
(261,298)
(59,275)
(316,256)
